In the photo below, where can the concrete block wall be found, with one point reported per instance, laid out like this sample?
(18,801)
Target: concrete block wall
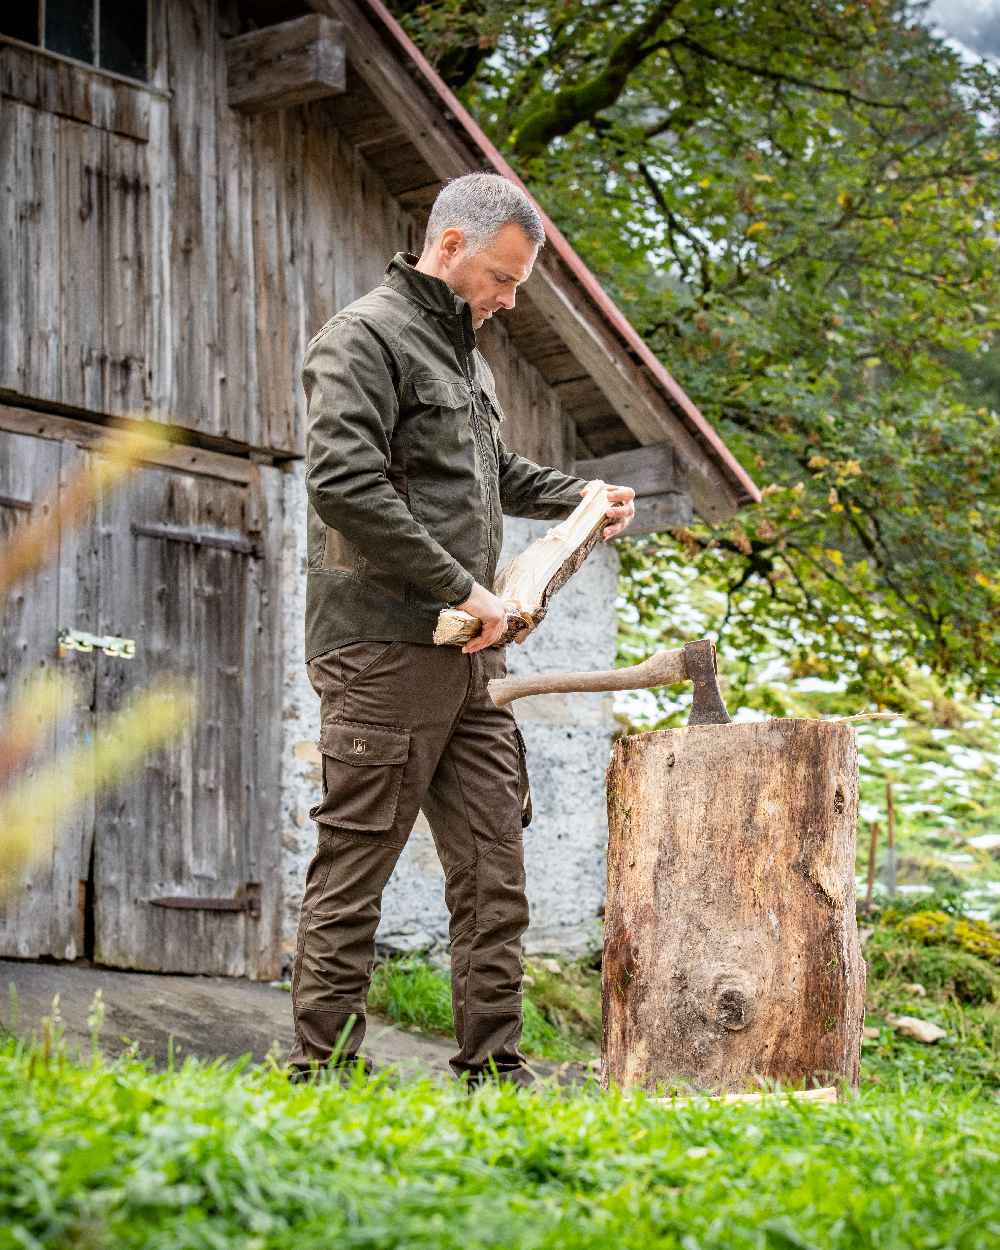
(568,738)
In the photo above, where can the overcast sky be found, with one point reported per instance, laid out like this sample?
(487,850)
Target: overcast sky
(974,23)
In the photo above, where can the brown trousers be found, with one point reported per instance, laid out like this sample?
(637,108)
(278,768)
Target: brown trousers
(406,726)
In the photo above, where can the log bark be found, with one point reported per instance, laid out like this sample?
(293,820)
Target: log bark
(527,583)
(731,945)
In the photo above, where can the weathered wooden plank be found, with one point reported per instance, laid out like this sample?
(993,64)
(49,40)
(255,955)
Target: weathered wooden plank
(66,90)
(126,309)
(83,201)
(12,316)
(77,587)
(298,211)
(195,460)
(273,313)
(557,365)
(586,402)
(264,655)
(421,196)
(192,393)
(240,414)
(284,65)
(33,920)
(605,439)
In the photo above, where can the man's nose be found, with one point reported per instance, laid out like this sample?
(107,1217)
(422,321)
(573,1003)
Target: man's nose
(506,299)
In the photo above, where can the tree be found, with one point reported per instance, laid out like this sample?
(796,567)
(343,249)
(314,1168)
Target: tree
(796,205)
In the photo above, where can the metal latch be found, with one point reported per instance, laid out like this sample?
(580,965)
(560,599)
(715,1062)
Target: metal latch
(246,898)
(80,640)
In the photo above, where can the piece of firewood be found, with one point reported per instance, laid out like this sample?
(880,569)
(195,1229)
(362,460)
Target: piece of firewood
(527,583)
(826,1094)
(731,946)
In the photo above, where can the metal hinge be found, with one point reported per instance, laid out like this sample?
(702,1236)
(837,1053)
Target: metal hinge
(80,640)
(246,898)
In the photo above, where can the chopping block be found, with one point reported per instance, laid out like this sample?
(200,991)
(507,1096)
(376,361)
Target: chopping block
(731,948)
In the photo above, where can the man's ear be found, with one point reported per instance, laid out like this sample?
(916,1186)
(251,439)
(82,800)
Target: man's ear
(451,244)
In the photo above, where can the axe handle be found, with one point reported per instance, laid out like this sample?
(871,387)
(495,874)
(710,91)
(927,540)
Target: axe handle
(662,669)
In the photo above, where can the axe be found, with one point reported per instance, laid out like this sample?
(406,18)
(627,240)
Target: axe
(694,663)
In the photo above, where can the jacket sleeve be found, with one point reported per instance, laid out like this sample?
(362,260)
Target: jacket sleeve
(533,490)
(352,408)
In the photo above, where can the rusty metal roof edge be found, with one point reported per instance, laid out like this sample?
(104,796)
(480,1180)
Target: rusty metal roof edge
(746,489)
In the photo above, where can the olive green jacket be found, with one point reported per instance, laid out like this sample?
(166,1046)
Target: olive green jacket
(406,471)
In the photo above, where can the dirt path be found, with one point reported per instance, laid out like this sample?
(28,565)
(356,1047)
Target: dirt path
(206,1016)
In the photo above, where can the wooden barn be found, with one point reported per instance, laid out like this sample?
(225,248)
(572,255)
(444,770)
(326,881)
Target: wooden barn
(190,189)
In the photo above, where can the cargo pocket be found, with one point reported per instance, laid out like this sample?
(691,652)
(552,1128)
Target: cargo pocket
(362,775)
(523,787)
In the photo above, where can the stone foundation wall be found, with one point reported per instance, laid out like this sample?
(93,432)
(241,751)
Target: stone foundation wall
(568,739)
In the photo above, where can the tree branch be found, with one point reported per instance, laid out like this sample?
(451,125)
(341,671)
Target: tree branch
(759,71)
(565,110)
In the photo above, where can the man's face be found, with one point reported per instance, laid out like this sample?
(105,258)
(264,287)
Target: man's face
(489,278)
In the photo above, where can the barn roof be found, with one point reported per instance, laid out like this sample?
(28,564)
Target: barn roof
(415,132)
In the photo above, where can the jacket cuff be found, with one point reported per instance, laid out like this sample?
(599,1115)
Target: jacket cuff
(457,588)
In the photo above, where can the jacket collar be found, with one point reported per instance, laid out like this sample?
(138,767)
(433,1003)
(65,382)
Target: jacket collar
(429,292)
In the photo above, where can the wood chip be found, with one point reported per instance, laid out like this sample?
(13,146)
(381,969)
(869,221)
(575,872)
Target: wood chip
(919,1030)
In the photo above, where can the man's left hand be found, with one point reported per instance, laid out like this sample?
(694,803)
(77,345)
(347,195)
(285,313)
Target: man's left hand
(620,513)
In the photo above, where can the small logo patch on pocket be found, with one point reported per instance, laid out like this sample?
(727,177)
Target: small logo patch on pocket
(360,746)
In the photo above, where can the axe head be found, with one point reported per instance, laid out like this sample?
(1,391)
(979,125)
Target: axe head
(707,707)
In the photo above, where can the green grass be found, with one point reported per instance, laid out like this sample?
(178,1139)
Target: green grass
(415,994)
(109,1156)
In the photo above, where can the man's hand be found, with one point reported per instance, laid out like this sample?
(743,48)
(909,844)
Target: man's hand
(621,512)
(484,604)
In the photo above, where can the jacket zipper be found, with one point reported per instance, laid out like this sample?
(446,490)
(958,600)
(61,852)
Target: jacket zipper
(477,434)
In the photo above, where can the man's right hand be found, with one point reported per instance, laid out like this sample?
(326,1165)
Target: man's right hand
(485,605)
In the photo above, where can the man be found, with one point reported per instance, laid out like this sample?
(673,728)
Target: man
(408,477)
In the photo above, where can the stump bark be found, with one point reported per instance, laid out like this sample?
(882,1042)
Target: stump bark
(731,945)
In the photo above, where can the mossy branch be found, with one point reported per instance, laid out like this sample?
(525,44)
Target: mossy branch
(566,109)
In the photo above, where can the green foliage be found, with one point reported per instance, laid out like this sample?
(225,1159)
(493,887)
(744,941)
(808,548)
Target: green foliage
(415,994)
(116,1156)
(940,969)
(798,210)
(937,928)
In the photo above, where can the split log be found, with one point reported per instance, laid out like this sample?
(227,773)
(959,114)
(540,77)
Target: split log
(731,946)
(527,583)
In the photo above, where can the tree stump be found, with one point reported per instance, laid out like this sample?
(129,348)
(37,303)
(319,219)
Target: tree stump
(731,946)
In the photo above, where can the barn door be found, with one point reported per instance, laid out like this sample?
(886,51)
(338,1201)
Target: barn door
(45,913)
(185,865)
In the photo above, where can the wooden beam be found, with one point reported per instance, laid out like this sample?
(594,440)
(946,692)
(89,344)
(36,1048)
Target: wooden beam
(658,478)
(91,434)
(284,65)
(649,470)
(551,289)
(656,513)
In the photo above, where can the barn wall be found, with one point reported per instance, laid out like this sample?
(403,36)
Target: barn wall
(162,254)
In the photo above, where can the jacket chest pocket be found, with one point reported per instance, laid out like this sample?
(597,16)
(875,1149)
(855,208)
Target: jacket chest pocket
(494,413)
(362,775)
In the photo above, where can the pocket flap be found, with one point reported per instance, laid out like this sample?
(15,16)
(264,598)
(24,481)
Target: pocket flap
(354,742)
(441,393)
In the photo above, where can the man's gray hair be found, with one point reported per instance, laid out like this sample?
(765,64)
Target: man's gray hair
(480,205)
